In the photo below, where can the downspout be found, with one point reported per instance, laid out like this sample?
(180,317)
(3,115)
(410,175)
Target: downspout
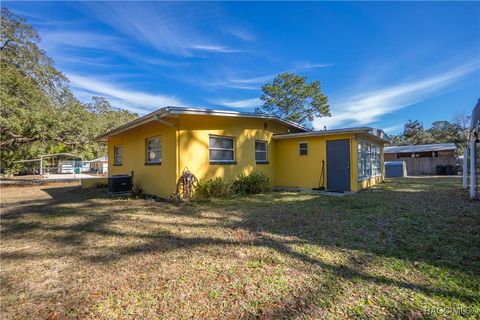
(177,148)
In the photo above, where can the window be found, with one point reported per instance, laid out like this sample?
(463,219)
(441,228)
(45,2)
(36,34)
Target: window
(221,149)
(261,151)
(154,150)
(117,155)
(303,148)
(369,160)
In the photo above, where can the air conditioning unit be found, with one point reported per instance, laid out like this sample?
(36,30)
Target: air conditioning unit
(120,184)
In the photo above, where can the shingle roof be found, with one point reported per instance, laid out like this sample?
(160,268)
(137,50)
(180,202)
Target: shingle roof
(421,148)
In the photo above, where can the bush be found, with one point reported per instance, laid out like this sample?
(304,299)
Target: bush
(138,193)
(212,188)
(256,182)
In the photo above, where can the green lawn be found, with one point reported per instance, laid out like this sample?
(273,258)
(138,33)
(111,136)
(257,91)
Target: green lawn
(405,249)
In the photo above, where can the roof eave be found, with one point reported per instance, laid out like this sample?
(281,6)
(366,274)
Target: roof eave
(360,130)
(132,124)
(171,110)
(420,148)
(212,112)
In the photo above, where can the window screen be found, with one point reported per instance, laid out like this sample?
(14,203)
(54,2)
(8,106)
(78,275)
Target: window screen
(303,148)
(154,150)
(117,154)
(221,149)
(369,160)
(261,151)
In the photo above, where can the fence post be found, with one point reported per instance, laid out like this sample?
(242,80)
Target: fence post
(465,167)
(473,170)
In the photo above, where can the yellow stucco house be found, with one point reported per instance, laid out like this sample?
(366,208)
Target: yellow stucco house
(157,147)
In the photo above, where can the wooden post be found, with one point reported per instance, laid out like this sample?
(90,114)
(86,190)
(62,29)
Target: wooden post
(465,167)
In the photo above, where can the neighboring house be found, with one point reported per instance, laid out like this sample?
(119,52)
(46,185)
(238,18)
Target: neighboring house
(99,165)
(423,159)
(156,148)
(84,166)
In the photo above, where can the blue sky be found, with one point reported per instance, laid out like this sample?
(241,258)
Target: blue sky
(380,64)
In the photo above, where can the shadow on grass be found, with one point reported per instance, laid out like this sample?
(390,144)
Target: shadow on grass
(413,220)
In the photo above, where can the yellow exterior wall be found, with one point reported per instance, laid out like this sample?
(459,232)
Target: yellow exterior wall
(153,179)
(185,144)
(294,170)
(367,183)
(92,182)
(193,139)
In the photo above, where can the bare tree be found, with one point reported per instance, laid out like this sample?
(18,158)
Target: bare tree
(462,119)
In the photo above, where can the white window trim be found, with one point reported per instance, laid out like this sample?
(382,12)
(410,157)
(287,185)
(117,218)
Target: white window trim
(359,179)
(210,148)
(115,154)
(160,149)
(308,147)
(266,151)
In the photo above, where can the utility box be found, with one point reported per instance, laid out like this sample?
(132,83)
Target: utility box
(120,184)
(395,169)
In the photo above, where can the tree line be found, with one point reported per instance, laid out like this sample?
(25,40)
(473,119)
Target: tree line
(39,113)
(442,131)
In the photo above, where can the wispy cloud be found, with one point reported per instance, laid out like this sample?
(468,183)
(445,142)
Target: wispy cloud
(308,65)
(246,83)
(393,129)
(168,27)
(365,108)
(241,34)
(247,103)
(140,100)
(254,80)
(214,48)
(55,40)
(72,46)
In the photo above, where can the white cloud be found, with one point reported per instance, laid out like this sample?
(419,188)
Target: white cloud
(365,108)
(55,40)
(313,65)
(247,103)
(69,47)
(395,129)
(251,83)
(241,34)
(136,99)
(168,27)
(214,48)
(255,80)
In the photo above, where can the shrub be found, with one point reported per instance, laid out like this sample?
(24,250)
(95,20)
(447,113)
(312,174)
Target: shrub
(256,182)
(138,193)
(212,188)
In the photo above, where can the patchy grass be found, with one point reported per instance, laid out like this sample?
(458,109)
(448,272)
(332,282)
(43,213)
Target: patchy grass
(405,249)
